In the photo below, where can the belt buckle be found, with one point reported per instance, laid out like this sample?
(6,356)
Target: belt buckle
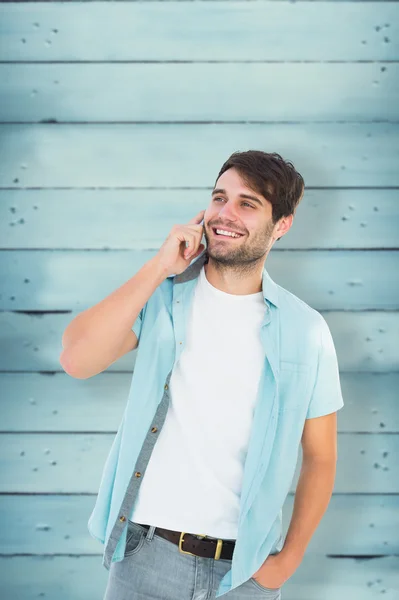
(218,550)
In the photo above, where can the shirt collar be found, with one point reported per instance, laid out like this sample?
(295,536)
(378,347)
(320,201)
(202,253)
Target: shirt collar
(269,287)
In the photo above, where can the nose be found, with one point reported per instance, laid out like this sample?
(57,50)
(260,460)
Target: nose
(228,212)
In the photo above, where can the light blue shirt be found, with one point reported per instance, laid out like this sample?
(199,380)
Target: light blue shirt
(300,380)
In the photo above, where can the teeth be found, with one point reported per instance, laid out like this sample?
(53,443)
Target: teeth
(227,233)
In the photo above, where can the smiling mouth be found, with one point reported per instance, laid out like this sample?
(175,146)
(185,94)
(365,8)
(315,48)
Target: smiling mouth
(226,237)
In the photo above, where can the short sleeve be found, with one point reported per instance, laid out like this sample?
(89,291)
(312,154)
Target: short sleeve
(138,323)
(327,394)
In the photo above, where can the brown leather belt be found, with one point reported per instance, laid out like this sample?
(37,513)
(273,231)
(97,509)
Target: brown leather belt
(197,545)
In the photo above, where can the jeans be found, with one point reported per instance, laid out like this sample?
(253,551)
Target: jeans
(153,568)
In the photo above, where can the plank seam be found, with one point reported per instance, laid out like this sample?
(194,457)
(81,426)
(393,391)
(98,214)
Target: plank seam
(197,62)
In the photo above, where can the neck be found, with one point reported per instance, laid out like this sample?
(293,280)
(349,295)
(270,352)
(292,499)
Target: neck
(240,280)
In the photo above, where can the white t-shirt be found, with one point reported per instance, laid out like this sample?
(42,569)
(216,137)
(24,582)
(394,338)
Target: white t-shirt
(193,479)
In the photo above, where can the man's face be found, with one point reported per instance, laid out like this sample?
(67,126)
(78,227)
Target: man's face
(228,210)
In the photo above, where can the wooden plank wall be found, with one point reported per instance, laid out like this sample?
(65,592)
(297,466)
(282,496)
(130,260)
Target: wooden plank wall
(115,119)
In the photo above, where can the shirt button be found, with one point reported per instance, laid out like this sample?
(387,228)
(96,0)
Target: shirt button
(166,386)
(122,518)
(154,429)
(137,474)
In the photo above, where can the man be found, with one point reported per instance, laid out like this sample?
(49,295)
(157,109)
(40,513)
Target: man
(232,374)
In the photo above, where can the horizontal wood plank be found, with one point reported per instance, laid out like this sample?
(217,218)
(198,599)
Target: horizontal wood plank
(364,341)
(326,280)
(176,92)
(360,525)
(84,578)
(345,155)
(57,402)
(141,219)
(73,463)
(190,155)
(270,31)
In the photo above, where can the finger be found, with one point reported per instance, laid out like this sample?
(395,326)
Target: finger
(195,228)
(194,253)
(197,219)
(200,249)
(192,242)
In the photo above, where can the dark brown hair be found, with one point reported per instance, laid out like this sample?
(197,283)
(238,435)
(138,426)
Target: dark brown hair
(271,176)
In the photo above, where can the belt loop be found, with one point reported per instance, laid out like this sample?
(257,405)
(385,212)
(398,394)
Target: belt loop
(150,533)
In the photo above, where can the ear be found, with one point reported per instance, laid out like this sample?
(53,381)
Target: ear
(282,226)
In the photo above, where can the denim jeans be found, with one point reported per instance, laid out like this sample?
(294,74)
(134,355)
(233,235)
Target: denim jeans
(153,568)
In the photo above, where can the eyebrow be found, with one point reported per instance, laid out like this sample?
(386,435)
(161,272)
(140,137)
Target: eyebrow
(247,196)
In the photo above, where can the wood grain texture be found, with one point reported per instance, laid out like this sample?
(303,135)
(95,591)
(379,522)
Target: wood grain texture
(269,31)
(84,578)
(73,463)
(54,524)
(326,280)
(364,341)
(141,219)
(176,92)
(85,203)
(56,402)
(189,155)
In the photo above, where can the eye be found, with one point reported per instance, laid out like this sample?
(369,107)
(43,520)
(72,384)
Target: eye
(247,203)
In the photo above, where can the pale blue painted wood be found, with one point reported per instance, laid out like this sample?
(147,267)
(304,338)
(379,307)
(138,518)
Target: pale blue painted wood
(53,577)
(354,525)
(326,280)
(83,578)
(365,341)
(366,464)
(269,31)
(178,156)
(185,155)
(58,525)
(334,579)
(141,219)
(176,92)
(73,463)
(57,402)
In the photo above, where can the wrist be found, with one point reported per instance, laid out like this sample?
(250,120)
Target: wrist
(159,269)
(292,555)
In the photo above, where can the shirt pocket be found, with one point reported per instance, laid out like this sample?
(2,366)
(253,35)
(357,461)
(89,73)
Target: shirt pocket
(294,386)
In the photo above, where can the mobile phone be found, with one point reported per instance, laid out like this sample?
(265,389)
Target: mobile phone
(203,230)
